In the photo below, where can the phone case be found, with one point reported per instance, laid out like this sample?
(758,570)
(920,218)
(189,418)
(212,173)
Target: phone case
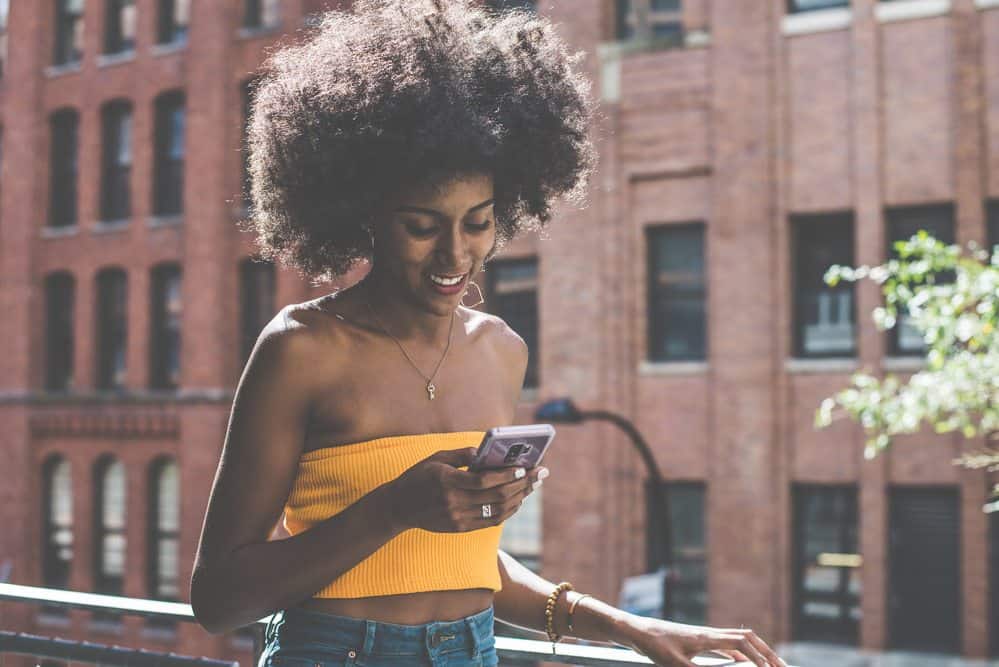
(506,446)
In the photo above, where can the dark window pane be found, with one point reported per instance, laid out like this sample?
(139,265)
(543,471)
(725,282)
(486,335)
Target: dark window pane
(69,31)
(165,301)
(256,280)
(111,328)
(116,200)
(59,304)
(4,7)
(827,584)
(172,21)
(903,224)
(809,5)
(261,13)
(624,28)
(164,531)
(992,211)
(824,316)
(677,293)
(169,158)
(63,168)
(513,296)
(924,587)
(119,32)
(687,584)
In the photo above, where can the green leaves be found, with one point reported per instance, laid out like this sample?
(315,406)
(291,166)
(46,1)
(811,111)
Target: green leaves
(952,298)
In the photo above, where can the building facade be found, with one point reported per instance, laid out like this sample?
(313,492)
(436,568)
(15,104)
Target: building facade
(744,147)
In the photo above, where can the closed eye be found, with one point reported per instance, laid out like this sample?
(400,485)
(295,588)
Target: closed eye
(480,227)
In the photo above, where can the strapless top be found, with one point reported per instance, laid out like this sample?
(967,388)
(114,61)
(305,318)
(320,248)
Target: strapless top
(331,479)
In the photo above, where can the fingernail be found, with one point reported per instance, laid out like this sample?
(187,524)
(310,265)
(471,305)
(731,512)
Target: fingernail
(519,472)
(542,473)
(534,487)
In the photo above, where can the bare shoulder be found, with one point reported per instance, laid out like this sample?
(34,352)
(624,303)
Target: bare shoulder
(497,334)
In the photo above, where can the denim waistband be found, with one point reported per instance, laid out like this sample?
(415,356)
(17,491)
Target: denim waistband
(298,629)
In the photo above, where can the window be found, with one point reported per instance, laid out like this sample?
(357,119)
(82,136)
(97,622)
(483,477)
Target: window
(116,161)
(64,127)
(256,280)
(504,5)
(168,188)
(164,351)
(109,522)
(4,10)
(513,296)
(59,297)
(521,537)
(172,21)
(688,583)
(827,583)
(903,224)
(823,315)
(119,31)
(69,32)
(648,19)
(163,542)
(795,6)
(677,294)
(57,530)
(247,95)
(924,582)
(261,13)
(111,328)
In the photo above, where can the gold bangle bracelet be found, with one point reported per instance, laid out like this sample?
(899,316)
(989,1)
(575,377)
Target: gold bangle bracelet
(550,612)
(572,607)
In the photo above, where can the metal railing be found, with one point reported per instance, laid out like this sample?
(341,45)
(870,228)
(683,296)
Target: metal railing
(510,648)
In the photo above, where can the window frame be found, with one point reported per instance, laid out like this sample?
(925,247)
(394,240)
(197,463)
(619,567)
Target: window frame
(799,223)
(111,328)
(168,168)
(59,331)
(64,168)
(103,583)
(653,288)
(261,14)
(257,284)
(50,559)
(165,327)
(793,8)
(69,26)
(169,30)
(638,20)
(117,127)
(156,535)
(654,548)
(115,39)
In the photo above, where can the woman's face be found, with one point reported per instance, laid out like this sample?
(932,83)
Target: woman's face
(431,241)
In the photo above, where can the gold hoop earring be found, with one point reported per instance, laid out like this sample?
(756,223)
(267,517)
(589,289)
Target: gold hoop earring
(472,283)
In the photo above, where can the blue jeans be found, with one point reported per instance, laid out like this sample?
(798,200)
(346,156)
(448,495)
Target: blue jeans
(306,638)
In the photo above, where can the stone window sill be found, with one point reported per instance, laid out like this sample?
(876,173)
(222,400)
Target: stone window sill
(53,71)
(673,368)
(904,10)
(59,232)
(798,365)
(109,59)
(820,20)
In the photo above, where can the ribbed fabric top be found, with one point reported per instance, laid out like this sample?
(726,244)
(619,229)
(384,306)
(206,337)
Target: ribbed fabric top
(332,478)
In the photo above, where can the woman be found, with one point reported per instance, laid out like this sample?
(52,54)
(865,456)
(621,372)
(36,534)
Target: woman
(421,136)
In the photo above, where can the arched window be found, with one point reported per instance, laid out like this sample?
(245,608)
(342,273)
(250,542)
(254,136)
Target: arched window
(111,328)
(116,144)
(59,297)
(57,525)
(164,530)
(164,349)
(168,166)
(64,131)
(109,524)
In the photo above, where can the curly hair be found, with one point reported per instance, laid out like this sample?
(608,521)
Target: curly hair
(409,92)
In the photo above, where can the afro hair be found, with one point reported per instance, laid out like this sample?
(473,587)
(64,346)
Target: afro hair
(407,92)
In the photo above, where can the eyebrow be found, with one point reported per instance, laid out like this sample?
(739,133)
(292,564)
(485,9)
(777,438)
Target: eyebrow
(438,214)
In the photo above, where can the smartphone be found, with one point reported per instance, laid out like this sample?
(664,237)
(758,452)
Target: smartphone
(507,446)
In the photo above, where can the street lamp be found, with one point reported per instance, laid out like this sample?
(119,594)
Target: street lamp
(564,411)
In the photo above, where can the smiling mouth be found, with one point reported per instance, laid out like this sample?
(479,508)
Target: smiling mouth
(447,279)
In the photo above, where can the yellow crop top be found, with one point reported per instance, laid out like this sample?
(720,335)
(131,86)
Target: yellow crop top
(332,478)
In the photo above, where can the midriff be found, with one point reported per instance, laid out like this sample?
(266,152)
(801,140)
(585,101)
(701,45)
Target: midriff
(408,608)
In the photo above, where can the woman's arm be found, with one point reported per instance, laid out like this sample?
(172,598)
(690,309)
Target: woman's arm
(522,602)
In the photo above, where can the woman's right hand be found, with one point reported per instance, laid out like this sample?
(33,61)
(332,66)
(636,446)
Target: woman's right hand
(434,495)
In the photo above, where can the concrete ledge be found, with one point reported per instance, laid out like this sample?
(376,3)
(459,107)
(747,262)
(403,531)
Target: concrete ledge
(105,226)
(48,232)
(167,48)
(61,70)
(986,4)
(804,366)
(905,10)
(673,368)
(109,59)
(903,364)
(821,20)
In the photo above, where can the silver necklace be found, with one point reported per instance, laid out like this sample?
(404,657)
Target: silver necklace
(431,387)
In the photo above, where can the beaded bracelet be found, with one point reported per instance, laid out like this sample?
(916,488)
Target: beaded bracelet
(550,612)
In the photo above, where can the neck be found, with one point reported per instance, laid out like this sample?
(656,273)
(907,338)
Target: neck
(405,319)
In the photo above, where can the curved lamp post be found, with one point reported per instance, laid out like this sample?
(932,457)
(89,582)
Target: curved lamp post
(564,411)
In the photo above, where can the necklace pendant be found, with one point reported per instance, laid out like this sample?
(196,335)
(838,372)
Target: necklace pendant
(430,390)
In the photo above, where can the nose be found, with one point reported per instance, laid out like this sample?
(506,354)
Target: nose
(453,250)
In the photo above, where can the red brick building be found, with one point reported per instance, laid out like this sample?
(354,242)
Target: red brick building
(744,145)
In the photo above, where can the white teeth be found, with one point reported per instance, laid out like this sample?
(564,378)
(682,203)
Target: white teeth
(446,281)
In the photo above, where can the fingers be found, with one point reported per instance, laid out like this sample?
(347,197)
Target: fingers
(741,643)
(490,479)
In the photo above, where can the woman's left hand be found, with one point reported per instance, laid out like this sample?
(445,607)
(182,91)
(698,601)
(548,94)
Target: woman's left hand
(674,644)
